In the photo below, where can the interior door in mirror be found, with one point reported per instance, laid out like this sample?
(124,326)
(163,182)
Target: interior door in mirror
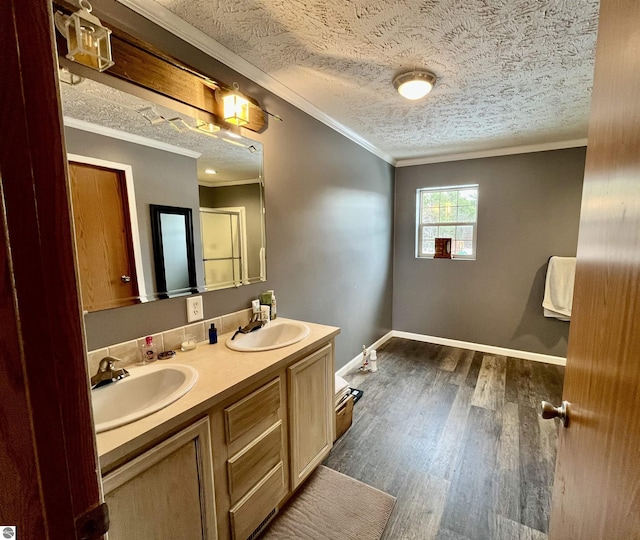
(103,237)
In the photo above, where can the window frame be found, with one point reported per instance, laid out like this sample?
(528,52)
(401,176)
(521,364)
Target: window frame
(420,226)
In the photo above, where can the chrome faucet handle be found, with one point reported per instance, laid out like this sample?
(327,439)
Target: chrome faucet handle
(107,364)
(107,372)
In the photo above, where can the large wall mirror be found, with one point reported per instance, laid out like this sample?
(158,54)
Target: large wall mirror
(130,151)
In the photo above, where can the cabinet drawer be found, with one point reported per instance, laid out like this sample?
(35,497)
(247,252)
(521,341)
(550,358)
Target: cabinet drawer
(258,503)
(253,414)
(248,466)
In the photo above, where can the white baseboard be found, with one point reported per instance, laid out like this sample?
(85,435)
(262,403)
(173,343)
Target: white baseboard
(515,353)
(353,364)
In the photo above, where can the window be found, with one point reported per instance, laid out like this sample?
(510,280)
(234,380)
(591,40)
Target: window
(447,212)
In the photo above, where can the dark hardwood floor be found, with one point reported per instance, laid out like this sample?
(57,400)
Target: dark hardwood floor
(456,436)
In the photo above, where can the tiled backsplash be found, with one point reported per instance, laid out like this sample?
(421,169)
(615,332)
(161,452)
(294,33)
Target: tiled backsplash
(129,352)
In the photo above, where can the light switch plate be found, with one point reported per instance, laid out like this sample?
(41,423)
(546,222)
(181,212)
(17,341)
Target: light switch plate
(194,308)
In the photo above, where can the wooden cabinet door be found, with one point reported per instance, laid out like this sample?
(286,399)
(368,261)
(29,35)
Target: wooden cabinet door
(167,492)
(597,479)
(311,413)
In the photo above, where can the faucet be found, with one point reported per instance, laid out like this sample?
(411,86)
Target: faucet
(254,324)
(107,372)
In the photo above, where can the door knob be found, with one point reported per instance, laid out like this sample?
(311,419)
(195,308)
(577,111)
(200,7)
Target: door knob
(125,279)
(549,411)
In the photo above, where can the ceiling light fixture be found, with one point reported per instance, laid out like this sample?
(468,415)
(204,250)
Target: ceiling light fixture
(414,84)
(210,171)
(88,42)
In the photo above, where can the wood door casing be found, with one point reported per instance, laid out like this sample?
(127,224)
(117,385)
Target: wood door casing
(597,481)
(103,236)
(51,442)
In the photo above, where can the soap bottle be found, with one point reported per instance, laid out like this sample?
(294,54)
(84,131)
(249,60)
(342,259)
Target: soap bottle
(266,300)
(148,350)
(213,334)
(365,359)
(274,313)
(373,361)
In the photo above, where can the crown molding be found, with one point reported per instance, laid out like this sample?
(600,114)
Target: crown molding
(508,151)
(123,136)
(228,183)
(164,18)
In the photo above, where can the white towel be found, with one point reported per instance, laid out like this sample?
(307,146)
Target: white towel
(558,288)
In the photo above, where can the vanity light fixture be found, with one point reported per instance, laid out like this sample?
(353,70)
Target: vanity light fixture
(178,123)
(414,84)
(207,127)
(154,118)
(88,42)
(66,77)
(235,143)
(235,107)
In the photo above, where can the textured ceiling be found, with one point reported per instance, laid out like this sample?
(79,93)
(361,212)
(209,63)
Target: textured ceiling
(510,72)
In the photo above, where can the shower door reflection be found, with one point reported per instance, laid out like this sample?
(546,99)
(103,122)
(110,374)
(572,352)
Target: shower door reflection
(224,246)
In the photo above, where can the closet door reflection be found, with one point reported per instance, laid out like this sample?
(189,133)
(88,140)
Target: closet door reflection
(223,246)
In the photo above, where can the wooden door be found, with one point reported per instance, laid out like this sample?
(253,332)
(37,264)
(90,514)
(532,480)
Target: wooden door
(48,462)
(597,481)
(103,237)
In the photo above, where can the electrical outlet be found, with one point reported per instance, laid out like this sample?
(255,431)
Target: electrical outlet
(194,308)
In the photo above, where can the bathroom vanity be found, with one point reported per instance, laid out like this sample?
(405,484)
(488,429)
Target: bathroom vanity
(224,458)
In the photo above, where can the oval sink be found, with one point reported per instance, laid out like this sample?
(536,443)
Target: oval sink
(273,336)
(146,390)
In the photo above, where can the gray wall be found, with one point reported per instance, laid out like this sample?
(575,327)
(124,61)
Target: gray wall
(159,177)
(528,210)
(329,220)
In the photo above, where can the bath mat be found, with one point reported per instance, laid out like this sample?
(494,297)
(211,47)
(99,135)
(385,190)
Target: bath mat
(332,506)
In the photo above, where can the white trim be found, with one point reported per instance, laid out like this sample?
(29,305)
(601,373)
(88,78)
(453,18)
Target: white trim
(133,212)
(491,349)
(357,361)
(508,151)
(353,364)
(124,136)
(229,183)
(419,254)
(241,211)
(174,24)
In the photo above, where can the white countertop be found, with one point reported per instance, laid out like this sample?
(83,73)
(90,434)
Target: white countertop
(221,373)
